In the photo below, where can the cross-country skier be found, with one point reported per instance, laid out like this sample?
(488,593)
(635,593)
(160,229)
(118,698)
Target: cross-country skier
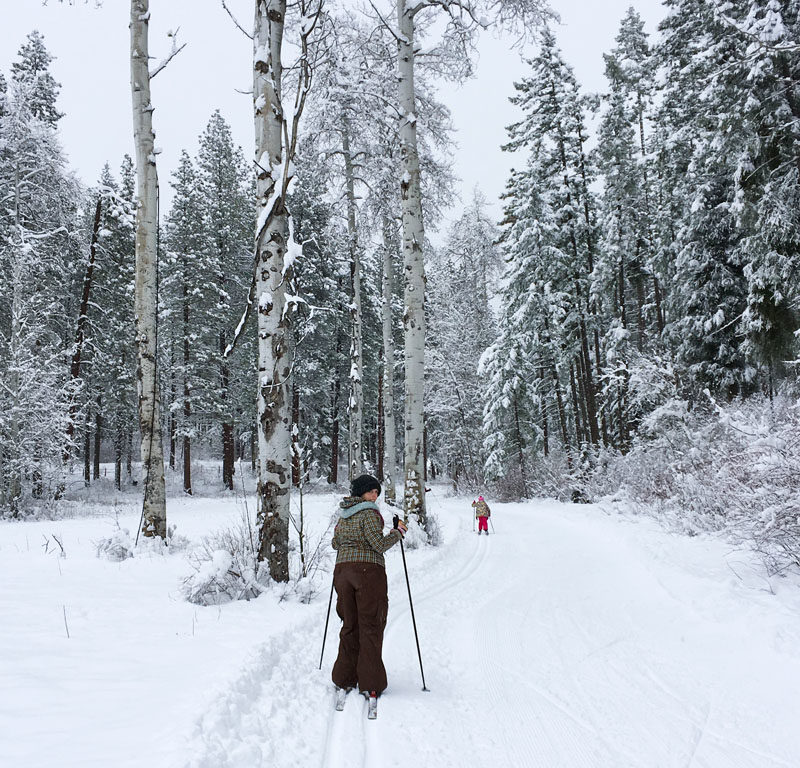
(359,577)
(482,513)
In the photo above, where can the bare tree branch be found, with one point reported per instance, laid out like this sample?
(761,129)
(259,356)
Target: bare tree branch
(235,21)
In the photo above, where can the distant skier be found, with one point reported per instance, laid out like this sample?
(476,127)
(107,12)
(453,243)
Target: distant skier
(359,577)
(483,513)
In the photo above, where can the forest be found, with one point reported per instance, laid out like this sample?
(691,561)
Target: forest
(628,330)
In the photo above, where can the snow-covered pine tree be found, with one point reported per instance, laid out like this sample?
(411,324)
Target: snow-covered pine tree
(224,185)
(188,299)
(553,131)
(321,321)
(760,129)
(461,280)
(708,287)
(38,255)
(32,75)
(115,321)
(626,273)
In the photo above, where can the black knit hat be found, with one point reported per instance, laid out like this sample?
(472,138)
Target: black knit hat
(364,483)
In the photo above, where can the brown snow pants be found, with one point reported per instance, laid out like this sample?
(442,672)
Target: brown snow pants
(362,603)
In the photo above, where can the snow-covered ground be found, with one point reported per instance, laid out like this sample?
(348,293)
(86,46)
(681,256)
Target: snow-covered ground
(569,637)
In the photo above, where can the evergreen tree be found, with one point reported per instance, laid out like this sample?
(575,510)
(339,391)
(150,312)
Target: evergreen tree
(31,74)
(188,302)
(37,263)
(553,131)
(461,278)
(224,184)
(627,273)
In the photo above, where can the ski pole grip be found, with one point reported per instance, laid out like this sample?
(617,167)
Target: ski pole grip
(395,521)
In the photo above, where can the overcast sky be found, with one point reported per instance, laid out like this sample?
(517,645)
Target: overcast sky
(91,49)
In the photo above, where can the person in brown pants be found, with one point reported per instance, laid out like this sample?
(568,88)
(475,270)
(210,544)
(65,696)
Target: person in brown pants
(362,600)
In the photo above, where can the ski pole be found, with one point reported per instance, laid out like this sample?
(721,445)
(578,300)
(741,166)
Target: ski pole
(491,523)
(327,619)
(396,520)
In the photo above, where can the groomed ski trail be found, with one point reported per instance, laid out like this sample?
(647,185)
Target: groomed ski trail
(568,638)
(472,553)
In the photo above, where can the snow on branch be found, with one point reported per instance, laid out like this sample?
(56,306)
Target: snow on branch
(765,40)
(172,54)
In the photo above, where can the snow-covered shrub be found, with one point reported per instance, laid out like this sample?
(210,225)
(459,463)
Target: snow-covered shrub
(417,537)
(226,567)
(117,547)
(730,468)
(545,477)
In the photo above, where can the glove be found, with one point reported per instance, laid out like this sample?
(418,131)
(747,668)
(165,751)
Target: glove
(399,525)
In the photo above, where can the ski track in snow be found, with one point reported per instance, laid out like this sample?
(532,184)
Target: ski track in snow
(556,643)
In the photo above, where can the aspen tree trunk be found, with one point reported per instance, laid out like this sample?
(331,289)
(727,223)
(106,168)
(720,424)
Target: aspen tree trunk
(356,401)
(274,349)
(414,273)
(389,431)
(154,516)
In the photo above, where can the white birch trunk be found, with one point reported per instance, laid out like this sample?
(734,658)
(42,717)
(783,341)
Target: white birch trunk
(414,272)
(274,333)
(389,436)
(356,401)
(154,517)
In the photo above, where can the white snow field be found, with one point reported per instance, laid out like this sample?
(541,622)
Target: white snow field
(568,637)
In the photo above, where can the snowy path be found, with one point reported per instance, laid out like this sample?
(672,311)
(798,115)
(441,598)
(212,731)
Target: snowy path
(561,642)
(568,638)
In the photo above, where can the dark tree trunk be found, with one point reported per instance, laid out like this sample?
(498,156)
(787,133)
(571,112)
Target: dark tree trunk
(228,453)
(545,429)
(173,422)
(228,456)
(336,385)
(87,454)
(83,319)
(98,434)
(425,451)
(520,450)
(118,446)
(187,465)
(562,416)
(295,435)
(381,433)
(579,434)
(659,306)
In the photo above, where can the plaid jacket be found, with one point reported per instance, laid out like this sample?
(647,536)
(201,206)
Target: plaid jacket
(358,536)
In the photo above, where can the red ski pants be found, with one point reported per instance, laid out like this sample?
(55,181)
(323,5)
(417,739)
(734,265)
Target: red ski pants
(483,524)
